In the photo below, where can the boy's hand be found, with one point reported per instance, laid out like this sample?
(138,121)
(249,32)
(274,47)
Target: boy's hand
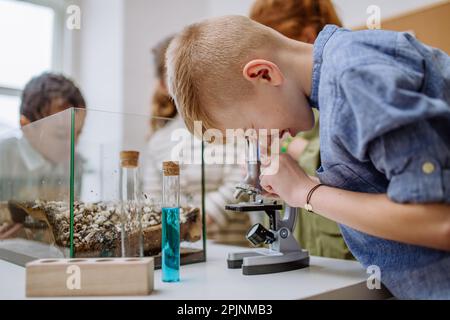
(290,182)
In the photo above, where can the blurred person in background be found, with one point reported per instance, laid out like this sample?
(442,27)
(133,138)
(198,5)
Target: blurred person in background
(34,160)
(220,179)
(303,20)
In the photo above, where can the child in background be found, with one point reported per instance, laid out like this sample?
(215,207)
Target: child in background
(384,117)
(33,166)
(302,20)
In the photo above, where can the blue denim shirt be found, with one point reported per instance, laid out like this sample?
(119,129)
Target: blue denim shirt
(384,101)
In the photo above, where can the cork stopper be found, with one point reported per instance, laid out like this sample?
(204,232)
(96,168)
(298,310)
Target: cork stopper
(171,168)
(129,159)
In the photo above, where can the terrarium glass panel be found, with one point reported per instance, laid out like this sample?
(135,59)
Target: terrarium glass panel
(61,184)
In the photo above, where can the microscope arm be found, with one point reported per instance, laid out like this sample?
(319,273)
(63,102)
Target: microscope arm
(289,218)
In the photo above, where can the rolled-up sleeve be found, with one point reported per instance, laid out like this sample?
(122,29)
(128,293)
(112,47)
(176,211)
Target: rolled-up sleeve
(403,133)
(415,161)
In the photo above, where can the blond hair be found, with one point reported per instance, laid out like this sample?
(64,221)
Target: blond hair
(205,63)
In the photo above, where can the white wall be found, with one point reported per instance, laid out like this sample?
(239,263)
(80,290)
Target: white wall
(224,7)
(114,65)
(101,53)
(145,24)
(353,12)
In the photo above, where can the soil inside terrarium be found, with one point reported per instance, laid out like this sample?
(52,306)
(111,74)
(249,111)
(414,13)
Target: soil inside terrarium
(97,226)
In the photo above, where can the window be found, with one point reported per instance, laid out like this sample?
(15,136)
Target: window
(28,33)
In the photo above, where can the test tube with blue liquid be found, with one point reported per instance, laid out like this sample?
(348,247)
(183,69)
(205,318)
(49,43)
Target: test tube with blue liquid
(170,251)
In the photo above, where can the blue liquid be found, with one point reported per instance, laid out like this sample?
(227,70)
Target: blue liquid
(170,252)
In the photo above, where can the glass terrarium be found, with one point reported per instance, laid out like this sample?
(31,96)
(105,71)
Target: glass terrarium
(62,183)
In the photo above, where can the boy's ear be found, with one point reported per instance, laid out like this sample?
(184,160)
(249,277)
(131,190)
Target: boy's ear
(263,71)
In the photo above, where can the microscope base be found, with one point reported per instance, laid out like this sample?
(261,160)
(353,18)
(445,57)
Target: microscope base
(265,261)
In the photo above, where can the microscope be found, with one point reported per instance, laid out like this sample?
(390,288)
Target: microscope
(284,252)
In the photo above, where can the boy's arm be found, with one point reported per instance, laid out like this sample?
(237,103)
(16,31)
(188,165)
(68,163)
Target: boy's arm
(419,224)
(386,121)
(404,135)
(375,214)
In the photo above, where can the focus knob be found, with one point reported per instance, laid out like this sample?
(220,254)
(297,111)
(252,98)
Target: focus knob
(258,235)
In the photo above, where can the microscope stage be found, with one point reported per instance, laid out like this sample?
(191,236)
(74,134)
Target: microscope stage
(247,207)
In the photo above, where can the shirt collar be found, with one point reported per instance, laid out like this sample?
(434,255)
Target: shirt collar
(319,46)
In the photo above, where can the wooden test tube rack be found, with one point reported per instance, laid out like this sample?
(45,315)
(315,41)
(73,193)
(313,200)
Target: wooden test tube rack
(89,277)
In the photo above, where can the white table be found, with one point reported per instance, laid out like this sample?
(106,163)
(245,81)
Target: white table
(324,279)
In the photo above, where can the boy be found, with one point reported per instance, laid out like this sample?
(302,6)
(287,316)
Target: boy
(384,119)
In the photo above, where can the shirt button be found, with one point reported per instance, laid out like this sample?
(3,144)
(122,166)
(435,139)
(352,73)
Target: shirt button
(428,168)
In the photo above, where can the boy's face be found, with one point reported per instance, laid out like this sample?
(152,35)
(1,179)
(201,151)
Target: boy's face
(284,111)
(276,102)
